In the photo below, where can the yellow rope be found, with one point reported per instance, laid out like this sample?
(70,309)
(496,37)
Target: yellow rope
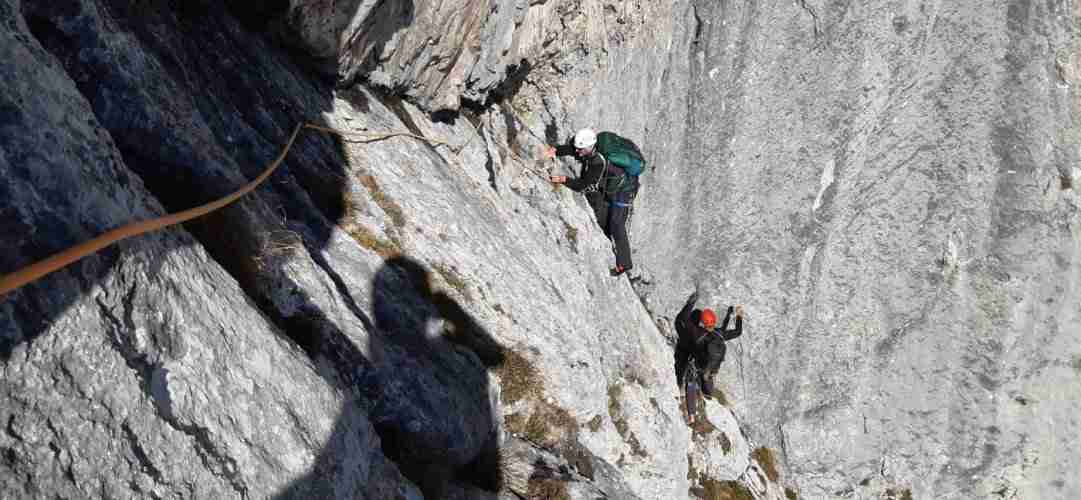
(63,258)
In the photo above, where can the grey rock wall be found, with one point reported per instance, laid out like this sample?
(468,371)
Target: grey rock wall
(385,318)
(143,370)
(890,190)
(440,54)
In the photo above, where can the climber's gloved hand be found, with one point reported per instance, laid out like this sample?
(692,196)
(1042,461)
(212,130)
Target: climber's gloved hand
(547,152)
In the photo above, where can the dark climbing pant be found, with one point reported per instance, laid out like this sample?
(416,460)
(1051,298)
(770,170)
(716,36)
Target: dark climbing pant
(707,382)
(684,351)
(612,214)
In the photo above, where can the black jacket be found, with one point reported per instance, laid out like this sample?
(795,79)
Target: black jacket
(598,173)
(707,346)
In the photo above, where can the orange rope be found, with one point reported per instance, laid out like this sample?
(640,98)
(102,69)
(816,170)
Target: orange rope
(63,258)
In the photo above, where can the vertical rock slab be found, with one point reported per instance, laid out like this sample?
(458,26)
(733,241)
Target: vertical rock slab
(887,187)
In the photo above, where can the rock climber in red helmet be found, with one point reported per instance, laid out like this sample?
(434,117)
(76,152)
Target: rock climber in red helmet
(699,338)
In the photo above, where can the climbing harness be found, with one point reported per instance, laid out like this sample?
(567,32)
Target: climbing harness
(59,260)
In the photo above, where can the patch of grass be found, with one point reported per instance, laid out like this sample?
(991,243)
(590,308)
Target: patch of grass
(724,490)
(277,244)
(615,410)
(548,425)
(702,426)
(516,423)
(790,494)
(353,203)
(764,457)
(614,393)
(545,424)
(621,427)
(547,489)
(557,417)
(595,423)
(536,429)
(520,379)
(719,396)
(572,235)
(368,239)
(898,494)
(453,280)
(389,206)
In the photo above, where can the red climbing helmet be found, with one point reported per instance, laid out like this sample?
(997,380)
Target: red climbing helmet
(708,318)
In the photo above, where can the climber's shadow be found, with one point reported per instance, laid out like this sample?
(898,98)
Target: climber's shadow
(402,281)
(407,308)
(424,387)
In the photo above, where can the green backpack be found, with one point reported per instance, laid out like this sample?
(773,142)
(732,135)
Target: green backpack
(621,152)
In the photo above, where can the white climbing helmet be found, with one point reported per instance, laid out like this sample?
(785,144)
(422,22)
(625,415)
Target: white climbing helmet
(585,138)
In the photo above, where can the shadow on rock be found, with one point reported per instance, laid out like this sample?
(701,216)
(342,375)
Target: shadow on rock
(424,387)
(196,103)
(443,376)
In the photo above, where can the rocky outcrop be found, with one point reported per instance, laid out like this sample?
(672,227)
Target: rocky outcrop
(441,54)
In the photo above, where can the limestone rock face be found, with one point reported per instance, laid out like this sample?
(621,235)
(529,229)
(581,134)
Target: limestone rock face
(408,309)
(143,370)
(890,190)
(443,54)
(439,53)
(387,317)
